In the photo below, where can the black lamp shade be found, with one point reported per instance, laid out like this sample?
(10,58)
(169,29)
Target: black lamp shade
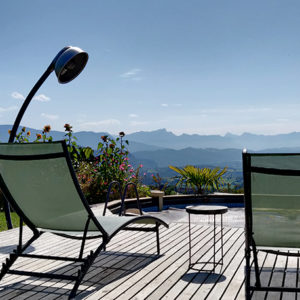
(70,63)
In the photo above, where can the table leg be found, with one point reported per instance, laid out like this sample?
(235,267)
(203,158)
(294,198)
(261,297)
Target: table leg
(222,238)
(214,242)
(190,241)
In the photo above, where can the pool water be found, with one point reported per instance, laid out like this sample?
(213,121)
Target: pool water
(183,206)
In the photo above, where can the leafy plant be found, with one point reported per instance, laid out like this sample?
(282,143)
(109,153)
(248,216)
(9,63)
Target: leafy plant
(110,163)
(158,182)
(22,136)
(200,180)
(77,153)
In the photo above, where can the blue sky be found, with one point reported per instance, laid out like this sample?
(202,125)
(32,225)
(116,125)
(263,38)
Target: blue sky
(206,67)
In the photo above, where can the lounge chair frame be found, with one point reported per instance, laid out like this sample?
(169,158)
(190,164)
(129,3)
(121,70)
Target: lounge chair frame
(86,261)
(250,245)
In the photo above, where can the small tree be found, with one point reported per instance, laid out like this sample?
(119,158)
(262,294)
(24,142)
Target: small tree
(200,180)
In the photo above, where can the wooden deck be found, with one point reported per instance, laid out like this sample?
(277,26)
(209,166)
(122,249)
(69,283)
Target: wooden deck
(129,269)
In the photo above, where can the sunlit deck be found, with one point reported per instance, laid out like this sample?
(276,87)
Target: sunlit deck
(129,269)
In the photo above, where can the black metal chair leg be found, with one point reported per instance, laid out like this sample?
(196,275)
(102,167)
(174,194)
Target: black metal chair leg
(256,268)
(157,238)
(84,268)
(247,280)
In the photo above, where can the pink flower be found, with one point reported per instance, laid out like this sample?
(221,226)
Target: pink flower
(126,158)
(144,174)
(152,175)
(131,170)
(129,165)
(141,165)
(133,176)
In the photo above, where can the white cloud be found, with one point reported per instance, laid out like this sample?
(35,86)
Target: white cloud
(138,123)
(103,125)
(50,117)
(178,104)
(100,123)
(10,108)
(164,105)
(132,74)
(17,95)
(41,98)
(133,116)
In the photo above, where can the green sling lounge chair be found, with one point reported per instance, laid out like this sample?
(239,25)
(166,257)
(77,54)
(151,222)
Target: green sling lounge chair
(272,210)
(39,182)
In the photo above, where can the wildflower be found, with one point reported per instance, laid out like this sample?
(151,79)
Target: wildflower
(104,138)
(68,127)
(47,128)
(23,129)
(144,174)
(38,136)
(112,146)
(28,133)
(131,170)
(141,165)
(133,176)
(126,158)
(121,134)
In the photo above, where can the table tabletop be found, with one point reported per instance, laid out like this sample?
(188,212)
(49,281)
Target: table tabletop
(206,209)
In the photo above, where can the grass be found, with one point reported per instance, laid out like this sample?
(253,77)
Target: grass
(14,219)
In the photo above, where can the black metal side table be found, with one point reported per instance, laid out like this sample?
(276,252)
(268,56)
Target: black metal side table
(207,210)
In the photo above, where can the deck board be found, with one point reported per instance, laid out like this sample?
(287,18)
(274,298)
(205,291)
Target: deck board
(130,268)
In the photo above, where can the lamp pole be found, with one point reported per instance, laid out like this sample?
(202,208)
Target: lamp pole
(67,64)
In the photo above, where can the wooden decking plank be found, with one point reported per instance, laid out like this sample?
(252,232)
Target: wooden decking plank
(150,247)
(165,244)
(104,272)
(160,285)
(265,274)
(37,265)
(202,284)
(290,277)
(237,281)
(71,271)
(168,250)
(175,283)
(277,277)
(149,278)
(231,265)
(130,269)
(62,252)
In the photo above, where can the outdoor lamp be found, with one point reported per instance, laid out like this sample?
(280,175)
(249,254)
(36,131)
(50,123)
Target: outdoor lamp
(67,64)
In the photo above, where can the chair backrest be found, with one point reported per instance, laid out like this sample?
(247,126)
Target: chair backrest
(39,182)
(272,199)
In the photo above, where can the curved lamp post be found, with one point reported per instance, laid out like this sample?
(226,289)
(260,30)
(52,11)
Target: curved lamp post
(67,64)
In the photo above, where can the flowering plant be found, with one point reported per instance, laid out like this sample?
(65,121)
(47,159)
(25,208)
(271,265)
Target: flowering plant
(109,163)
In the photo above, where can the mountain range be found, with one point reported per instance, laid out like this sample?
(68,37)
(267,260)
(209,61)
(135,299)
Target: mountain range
(160,148)
(161,138)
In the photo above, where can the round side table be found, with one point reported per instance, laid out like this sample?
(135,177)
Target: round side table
(207,210)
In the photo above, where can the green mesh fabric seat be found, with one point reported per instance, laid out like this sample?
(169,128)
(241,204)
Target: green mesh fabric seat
(272,209)
(38,181)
